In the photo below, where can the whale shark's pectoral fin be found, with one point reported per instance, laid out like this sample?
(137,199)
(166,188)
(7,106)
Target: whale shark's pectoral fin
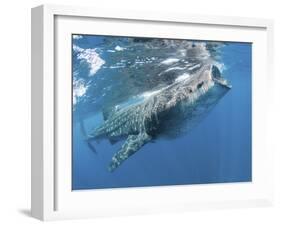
(131,146)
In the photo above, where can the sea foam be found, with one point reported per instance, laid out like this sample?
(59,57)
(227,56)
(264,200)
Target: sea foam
(79,90)
(91,57)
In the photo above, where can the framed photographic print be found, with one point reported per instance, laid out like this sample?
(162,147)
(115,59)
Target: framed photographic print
(137,112)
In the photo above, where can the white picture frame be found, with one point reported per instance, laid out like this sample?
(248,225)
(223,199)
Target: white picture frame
(51,158)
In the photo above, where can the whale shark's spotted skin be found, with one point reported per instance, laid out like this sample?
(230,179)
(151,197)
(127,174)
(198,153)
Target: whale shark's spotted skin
(188,98)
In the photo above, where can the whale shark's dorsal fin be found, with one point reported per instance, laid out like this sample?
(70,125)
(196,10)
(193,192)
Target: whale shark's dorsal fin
(108,112)
(131,146)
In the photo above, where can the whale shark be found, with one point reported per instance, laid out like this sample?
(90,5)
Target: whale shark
(186,101)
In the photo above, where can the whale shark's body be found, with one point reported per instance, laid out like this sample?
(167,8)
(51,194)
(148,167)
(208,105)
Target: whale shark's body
(188,99)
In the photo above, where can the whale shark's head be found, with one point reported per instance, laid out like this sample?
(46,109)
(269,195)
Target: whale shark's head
(192,98)
(201,81)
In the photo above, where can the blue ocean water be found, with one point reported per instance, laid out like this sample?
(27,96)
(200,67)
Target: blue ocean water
(111,71)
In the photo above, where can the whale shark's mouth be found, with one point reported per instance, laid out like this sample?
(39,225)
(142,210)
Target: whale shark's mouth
(223,82)
(218,78)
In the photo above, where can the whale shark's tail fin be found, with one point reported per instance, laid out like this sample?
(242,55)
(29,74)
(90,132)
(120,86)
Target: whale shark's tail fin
(131,146)
(84,133)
